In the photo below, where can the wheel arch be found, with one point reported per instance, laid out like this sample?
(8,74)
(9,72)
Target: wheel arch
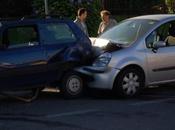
(140,69)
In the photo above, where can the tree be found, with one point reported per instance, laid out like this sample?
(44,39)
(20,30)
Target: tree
(68,9)
(15,8)
(62,8)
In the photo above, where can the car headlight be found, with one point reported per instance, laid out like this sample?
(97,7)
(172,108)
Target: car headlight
(103,60)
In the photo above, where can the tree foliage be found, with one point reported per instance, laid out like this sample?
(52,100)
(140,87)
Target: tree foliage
(171,5)
(15,8)
(62,8)
(131,7)
(66,9)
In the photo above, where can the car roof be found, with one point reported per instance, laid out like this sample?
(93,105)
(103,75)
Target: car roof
(157,17)
(32,21)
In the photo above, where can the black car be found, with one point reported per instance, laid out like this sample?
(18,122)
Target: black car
(39,52)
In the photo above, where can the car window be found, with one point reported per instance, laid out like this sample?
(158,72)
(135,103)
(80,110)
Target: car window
(22,36)
(165,33)
(57,33)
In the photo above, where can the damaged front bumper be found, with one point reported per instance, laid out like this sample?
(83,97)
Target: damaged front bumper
(102,77)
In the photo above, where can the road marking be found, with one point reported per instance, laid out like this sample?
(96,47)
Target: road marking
(152,102)
(71,113)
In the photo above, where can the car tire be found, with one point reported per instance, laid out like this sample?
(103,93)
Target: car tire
(72,85)
(129,82)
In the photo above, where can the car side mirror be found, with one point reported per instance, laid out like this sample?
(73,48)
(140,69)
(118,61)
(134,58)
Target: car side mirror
(158,45)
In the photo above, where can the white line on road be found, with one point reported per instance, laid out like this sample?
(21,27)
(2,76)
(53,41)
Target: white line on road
(71,113)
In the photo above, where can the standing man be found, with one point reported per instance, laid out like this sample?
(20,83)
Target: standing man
(80,20)
(106,23)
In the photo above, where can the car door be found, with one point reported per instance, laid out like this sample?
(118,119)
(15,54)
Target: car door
(161,61)
(22,60)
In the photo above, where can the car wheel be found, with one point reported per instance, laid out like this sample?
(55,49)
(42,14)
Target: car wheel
(72,85)
(129,82)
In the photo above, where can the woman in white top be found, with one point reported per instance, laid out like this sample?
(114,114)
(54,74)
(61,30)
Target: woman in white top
(106,23)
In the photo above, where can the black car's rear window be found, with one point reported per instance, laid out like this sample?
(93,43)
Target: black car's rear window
(56,33)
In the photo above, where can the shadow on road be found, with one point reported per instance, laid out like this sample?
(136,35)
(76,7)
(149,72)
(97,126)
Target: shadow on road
(94,94)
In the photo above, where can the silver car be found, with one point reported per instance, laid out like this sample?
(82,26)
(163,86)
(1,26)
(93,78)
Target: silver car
(136,53)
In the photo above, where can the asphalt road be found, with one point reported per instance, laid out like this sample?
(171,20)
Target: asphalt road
(154,109)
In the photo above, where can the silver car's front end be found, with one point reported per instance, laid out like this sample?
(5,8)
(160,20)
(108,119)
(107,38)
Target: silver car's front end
(107,66)
(102,79)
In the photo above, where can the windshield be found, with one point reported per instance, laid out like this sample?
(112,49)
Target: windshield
(128,31)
